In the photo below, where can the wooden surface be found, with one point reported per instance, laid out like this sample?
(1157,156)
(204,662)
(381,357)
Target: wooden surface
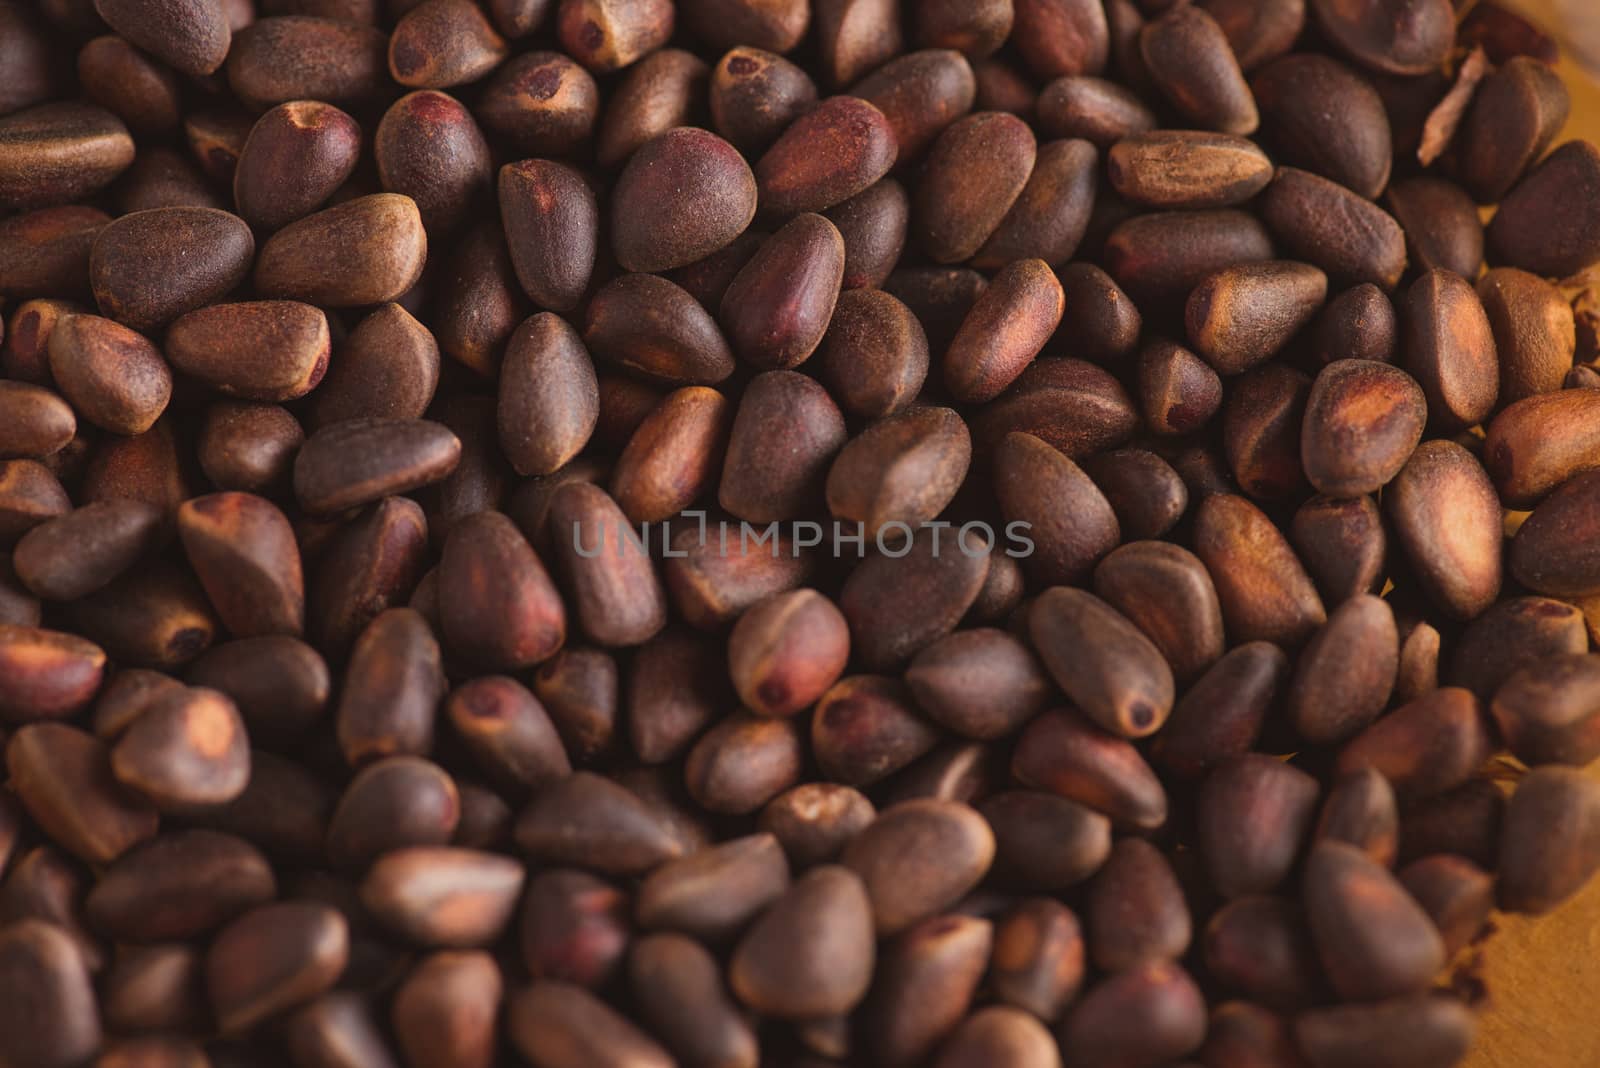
(1543,973)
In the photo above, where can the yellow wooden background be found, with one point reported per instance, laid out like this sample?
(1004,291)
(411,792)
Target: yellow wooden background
(1543,973)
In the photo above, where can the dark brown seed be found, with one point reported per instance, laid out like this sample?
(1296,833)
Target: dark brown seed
(710,587)
(1136,911)
(1261,427)
(541,103)
(924,985)
(1553,551)
(1038,960)
(647,324)
(359,461)
(45,251)
(1361,810)
(114,377)
(607,35)
(1374,940)
(1169,253)
(1413,38)
(150,267)
(1549,841)
(552,226)
(981,683)
(778,306)
(243,550)
(1455,892)
(977,170)
(1326,224)
(671,459)
(755,95)
(1107,322)
(1051,215)
(297,154)
(855,36)
(1067,518)
(179,885)
(443,896)
(918,858)
(193,36)
(1187,169)
(1536,444)
(447,1008)
(392,804)
(901,601)
(128,694)
(272,959)
(187,750)
(1449,347)
(370,566)
(1222,713)
(1446,517)
(391,688)
(75,554)
(1254,812)
(63,778)
(141,91)
(617,598)
(519,18)
(1072,405)
(680,992)
(52,675)
(1514,116)
(549,400)
(29,495)
(786,651)
(388,367)
(154,988)
(874,357)
(1549,711)
(811,954)
(574,928)
(866,728)
(1247,1035)
(1164,590)
(1344,677)
(776,27)
(429,148)
(939,297)
(1094,109)
(1145,492)
(1510,636)
(1008,325)
(441,43)
(365,251)
(902,470)
(1241,316)
(682,196)
(1425,1029)
(1060,37)
(1543,223)
(249,447)
(50,1019)
(480,302)
(999,1034)
(558,1025)
(1264,591)
(711,895)
(1363,420)
(1534,332)
(1349,143)
(1189,58)
(1441,225)
(1358,324)
(30,59)
(825,157)
(592,822)
(1342,544)
(655,96)
(301,57)
(813,821)
(678,685)
(58,152)
(1151,1014)
(1063,753)
(743,762)
(1261,947)
(508,733)
(1044,842)
(151,616)
(1426,747)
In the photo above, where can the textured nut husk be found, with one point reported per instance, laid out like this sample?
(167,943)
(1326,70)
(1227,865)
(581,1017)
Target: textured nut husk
(1515,114)
(918,858)
(1445,516)
(1069,520)
(1554,550)
(1343,545)
(682,996)
(920,93)
(1099,111)
(1512,635)
(977,169)
(865,728)
(1425,747)
(1545,225)
(1190,60)
(649,325)
(1534,332)
(272,959)
(778,306)
(296,155)
(1261,947)
(829,154)
(1254,812)
(1449,346)
(1187,169)
(552,227)
(1136,910)
(902,469)
(63,778)
(983,683)
(44,252)
(1146,1015)
(1358,324)
(1325,224)
(594,822)
(57,152)
(898,604)
(428,147)
(1547,711)
(51,674)
(1044,842)
(75,554)
(1222,713)
(1549,840)
(179,885)
(924,985)
(1344,677)
(743,762)
(1264,591)
(1374,940)
(549,399)
(682,196)
(188,749)
(1061,752)
(1241,316)
(1006,328)
(441,43)
(755,95)
(1169,253)
(114,377)
(714,893)
(607,35)
(387,367)
(243,550)
(1411,38)
(365,251)
(359,461)
(302,57)
(1441,225)
(812,952)
(150,267)
(443,896)
(1424,1029)
(51,1019)
(1363,420)
(1349,143)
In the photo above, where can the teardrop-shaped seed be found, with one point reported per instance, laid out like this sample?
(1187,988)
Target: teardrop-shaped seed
(1008,325)
(778,307)
(1346,673)
(1373,938)
(150,267)
(924,984)
(681,994)
(825,157)
(649,325)
(898,604)
(552,227)
(1189,58)
(297,154)
(903,469)
(549,400)
(391,688)
(1244,315)
(714,893)
(58,152)
(1136,910)
(1167,593)
(259,350)
(1549,840)
(1424,1029)
(1363,420)
(592,822)
(50,674)
(918,858)
(1254,813)
(1450,348)
(865,728)
(1409,37)
(272,959)
(1187,169)
(1261,947)
(1222,713)
(188,749)
(365,251)
(358,461)
(1349,143)
(114,377)
(1426,747)
(975,173)
(1446,517)
(1555,551)
(1325,224)
(178,886)
(1152,1014)
(243,550)
(443,896)
(682,196)
(63,778)
(812,953)
(1265,592)
(1546,223)
(75,554)
(50,1017)
(1067,518)
(1065,754)
(392,804)
(559,1025)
